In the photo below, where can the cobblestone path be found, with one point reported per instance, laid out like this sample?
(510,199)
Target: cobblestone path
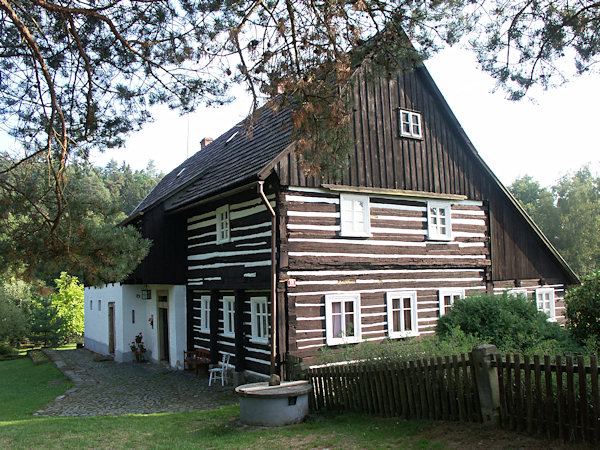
(110,388)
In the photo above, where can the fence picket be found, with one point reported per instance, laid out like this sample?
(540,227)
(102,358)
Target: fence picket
(501,389)
(528,393)
(453,413)
(538,416)
(459,390)
(510,404)
(548,399)
(519,416)
(466,386)
(403,391)
(562,410)
(583,404)
(595,417)
(571,398)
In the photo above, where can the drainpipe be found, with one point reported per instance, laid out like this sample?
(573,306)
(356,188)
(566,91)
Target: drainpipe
(274,379)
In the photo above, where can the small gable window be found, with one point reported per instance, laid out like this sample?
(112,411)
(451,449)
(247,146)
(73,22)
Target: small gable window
(402,314)
(260,319)
(223,231)
(342,317)
(447,298)
(410,124)
(438,221)
(229,316)
(205,313)
(545,302)
(354,213)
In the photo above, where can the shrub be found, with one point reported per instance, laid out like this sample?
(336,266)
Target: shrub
(455,342)
(511,323)
(583,309)
(13,323)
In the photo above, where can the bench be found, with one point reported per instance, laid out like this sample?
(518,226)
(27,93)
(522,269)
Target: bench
(194,359)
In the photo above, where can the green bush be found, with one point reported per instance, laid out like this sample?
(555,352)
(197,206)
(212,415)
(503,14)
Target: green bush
(511,323)
(6,349)
(454,343)
(13,323)
(583,309)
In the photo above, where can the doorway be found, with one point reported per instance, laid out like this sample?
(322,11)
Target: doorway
(111,328)
(163,326)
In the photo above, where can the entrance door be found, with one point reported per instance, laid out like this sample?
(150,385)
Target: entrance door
(111,328)
(163,331)
(163,326)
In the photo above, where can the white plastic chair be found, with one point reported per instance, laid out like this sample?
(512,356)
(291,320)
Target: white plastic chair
(220,371)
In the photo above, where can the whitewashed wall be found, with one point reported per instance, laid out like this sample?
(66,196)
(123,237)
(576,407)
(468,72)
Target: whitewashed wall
(128,298)
(95,319)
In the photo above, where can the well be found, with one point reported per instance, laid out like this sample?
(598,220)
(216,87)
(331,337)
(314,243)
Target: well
(273,406)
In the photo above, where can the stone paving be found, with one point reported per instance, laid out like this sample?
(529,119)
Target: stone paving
(110,388)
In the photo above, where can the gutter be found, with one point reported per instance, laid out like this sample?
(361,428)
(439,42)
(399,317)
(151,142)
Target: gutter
(274,378)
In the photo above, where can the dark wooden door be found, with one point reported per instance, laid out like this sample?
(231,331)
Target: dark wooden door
(163,331)
(111,328)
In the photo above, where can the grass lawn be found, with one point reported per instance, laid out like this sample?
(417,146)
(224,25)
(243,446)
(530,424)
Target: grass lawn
(26,387)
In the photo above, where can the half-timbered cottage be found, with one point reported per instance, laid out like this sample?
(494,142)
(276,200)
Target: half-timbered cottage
(271,262)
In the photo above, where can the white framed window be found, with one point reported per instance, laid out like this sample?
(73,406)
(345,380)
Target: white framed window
(260,319)
(205,313)
(545,302)
(355,216)
(439,226)
(410,124)
(223,229)
(99,305)
(342,318)
(402,314)
(446,298)
(91,305)
(229,315)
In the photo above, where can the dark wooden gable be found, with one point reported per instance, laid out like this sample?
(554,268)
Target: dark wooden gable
(444,161)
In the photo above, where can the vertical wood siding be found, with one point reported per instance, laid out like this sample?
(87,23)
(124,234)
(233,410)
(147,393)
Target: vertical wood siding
(443,161)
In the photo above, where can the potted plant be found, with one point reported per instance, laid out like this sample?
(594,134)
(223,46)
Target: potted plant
(138,348)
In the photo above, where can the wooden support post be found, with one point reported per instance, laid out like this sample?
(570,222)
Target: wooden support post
(240,358)
(214,327)
(487,382)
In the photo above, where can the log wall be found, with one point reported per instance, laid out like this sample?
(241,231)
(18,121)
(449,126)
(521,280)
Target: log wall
(398,256)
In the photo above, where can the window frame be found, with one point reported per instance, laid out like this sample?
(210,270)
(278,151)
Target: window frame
(223,224)
(411,124)
(453,292)
(330,299)
(402,333)
(433,232)
(366,213)
(552,302)
(229,315)
(205,314)
(256,315)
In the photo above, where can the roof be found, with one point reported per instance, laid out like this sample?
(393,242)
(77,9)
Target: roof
(236,156)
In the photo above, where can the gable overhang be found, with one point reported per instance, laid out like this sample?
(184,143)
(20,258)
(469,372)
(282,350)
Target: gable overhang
(571,275)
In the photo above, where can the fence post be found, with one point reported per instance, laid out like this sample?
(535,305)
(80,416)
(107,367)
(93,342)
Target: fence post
(487,382)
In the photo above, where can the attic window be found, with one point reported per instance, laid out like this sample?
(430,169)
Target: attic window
(180,172)
(231,137)
(410,124)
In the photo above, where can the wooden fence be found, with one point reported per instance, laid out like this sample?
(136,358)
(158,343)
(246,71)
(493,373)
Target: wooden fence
(556,399)
(435,388)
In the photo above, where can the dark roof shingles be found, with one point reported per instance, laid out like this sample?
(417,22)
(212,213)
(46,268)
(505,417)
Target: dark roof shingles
(224,162)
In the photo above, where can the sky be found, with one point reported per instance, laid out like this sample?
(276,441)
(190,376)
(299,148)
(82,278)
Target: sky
(546,137)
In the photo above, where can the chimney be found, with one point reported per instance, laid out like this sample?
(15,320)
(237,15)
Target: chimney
(204,142)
